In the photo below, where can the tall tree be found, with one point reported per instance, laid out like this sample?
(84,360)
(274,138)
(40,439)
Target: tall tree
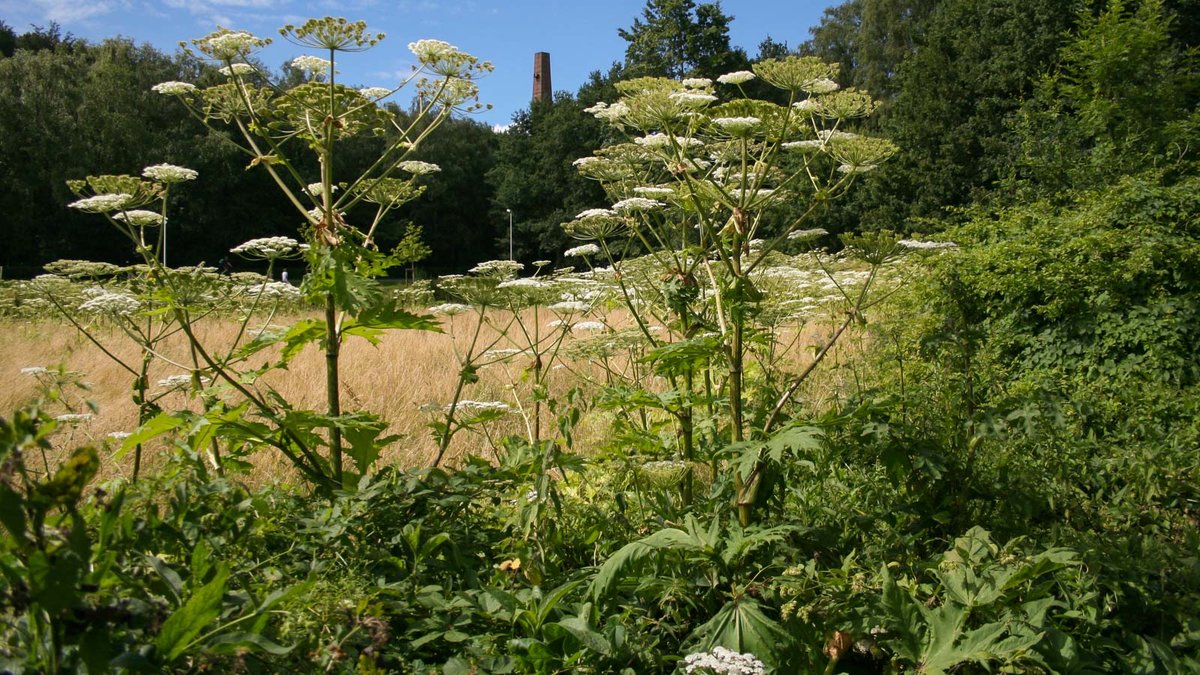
(678,38)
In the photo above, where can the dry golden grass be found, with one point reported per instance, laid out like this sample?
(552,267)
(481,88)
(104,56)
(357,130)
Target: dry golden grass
(407,370)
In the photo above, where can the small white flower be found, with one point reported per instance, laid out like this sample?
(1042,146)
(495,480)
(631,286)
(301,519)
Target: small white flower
(722,661)
(541,263)
(661,140)
(35,371)
(375,93)
(582,251)
(449,309)
(430,51)
(803,146)
(595,213)
(102,203)
(74,418)
(480,406)
(823,85)
(737,125)
(926,245)
(140,218)
(418,168)
(318,189)
(600,105)
(119,436)
(526,282)
(267,248)
(697,83)
(637,204)
(589,326)
(807,105)
(169,173)
(736,77)
(692,99)
(857,168)
(113,304)
(569,307)
(173,88)
(175,382)
(654,191)
(313,64)
(498,268)
(236,69)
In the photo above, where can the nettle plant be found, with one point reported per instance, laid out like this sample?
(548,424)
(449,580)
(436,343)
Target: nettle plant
(713,192)
(275,127)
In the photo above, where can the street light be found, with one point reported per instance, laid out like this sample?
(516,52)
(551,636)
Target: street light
(510,242)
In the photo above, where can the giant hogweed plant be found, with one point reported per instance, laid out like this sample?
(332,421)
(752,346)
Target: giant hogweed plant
(275,127)
(712,191)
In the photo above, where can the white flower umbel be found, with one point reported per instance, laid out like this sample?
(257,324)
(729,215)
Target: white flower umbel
(173,88)
(803,146)
(526,282)
(661,140)
(74,418)
(375,93)
(418,168)
(722,661)
(810,105)
(449,309)
(268,248)
(822,85)
(35,371)
(140,218)
(582,251)
(313,64)
(103,203)
(275,290)
(692,99)
(589,326)
(318,189)
(112,304)
(737,125)
(476,407)
(654,191)
(697,83)
(497,268)
(736,77)
(225,46)
(169,173)
(175,382)
(569,307)
(595,213)
(926,245)
(236,69)
(636,204)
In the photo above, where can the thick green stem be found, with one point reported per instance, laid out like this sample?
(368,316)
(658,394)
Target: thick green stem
(332,389)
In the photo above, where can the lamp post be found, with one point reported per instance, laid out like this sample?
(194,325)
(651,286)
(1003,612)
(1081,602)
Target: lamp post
(510,241)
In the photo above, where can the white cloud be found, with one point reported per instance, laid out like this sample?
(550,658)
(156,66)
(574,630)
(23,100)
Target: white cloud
(500,128)
(68,11)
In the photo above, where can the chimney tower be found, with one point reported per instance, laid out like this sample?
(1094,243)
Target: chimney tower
(542,91)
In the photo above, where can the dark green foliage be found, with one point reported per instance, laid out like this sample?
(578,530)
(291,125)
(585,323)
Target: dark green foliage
(678,38)
(534,176)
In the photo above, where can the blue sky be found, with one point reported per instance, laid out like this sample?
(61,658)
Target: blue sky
(581,35)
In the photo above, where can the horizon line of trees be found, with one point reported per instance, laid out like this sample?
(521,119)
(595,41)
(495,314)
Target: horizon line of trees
(990,101)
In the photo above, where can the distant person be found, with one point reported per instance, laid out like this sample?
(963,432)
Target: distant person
(226,268)
(284,276)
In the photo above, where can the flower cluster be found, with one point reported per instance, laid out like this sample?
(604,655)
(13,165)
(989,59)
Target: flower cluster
(169,173)
(418,168)
(226,45)
(926,245)
(497,268)
(173,88)
(477,407)
(445,59)
(736,77)
(112,304)
(449,309)
(313,64)
(102,203)
(722,661)
(268,248)
(236,69)
(582,251)
(140,218)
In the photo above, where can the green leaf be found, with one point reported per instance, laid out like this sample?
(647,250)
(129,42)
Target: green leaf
(232,643)
(300,334)
(153,428)
(201,609)
(590,639)
(12,515)
(742,626)
(634,553)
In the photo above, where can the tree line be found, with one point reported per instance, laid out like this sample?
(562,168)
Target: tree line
(987,100)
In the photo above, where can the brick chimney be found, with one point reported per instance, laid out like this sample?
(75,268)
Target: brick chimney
(541,77)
